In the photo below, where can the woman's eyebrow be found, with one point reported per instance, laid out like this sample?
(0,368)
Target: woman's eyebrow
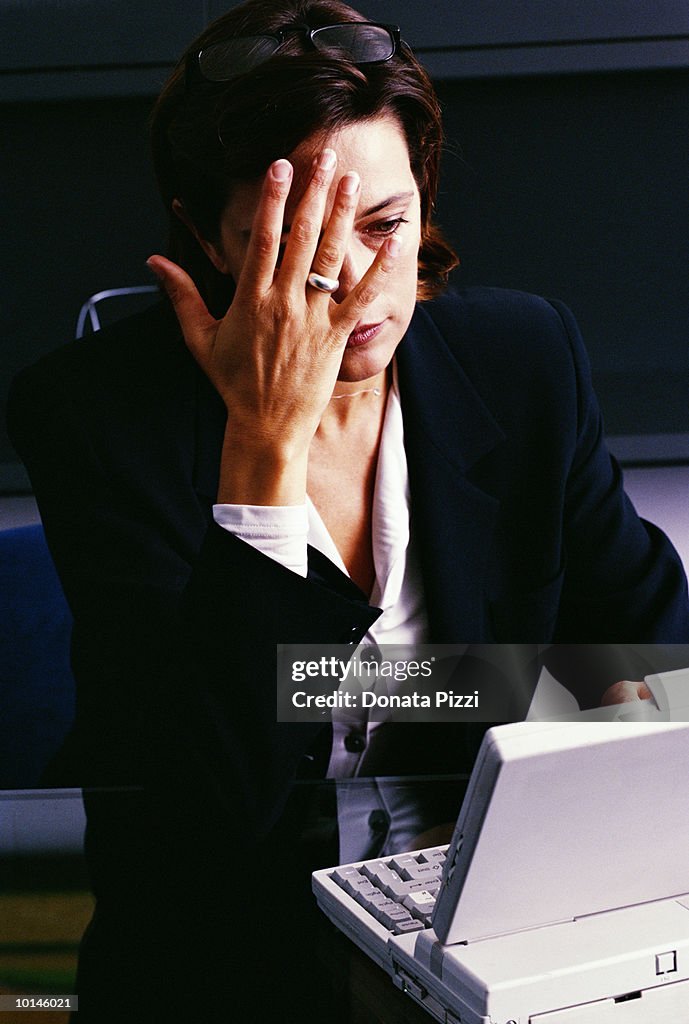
(390,201)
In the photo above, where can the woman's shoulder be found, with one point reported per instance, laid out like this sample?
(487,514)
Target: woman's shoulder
(506,317)
(123,370)
(146,345)
(506,334)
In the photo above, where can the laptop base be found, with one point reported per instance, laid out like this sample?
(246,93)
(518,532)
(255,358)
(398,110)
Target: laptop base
(620,967)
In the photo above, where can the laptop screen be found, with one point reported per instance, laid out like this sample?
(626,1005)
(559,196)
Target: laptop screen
(564,820)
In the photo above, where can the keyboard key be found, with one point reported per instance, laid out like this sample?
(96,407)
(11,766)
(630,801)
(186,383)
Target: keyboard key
(370,901)
(365,892)
(420,904)
(402,861)
(421,872)
(352,881)
(384,907)
(422,898)
(356,885)
(385,876)
(398,890)
(372,866)
(391,918)
(432,857)
(412,925)
(344,875)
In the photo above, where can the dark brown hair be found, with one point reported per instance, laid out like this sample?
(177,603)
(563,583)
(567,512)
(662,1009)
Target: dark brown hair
(267,112)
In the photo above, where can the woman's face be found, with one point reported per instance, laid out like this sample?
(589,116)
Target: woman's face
(388,204)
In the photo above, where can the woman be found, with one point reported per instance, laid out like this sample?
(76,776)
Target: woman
(296,451)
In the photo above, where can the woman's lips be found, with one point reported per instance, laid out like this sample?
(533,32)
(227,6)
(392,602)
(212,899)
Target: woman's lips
(363,334)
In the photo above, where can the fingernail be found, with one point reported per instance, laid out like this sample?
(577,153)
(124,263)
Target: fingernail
(327,160)
(394,246)
(154,270)
(281,170)
(349,183)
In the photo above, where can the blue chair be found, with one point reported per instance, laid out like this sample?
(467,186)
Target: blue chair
(36,683)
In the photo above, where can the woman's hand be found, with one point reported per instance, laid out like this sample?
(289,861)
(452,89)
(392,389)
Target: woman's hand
(275,356)
(624,692)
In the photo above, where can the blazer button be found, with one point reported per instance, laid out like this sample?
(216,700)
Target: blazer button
(352,637)
(354,743)
(378,821)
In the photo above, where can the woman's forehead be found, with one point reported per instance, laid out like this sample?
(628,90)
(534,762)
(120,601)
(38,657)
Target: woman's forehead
(376,150)
(376,144)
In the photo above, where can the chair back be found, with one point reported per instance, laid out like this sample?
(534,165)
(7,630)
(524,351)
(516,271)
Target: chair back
(112,304)
(36,683)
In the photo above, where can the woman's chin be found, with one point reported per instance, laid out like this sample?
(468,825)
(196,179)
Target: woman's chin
(368,358)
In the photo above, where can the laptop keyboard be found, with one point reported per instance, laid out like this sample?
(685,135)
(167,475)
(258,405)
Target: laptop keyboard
(399,891)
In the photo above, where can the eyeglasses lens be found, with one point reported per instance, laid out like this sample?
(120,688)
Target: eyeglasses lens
(357,42)
(362,44)
(235,56)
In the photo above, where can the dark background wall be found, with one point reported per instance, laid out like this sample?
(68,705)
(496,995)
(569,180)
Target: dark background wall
(565,172)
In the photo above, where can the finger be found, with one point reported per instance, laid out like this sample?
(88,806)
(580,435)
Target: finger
(198,326)
(625,692)
(350,312)
(266,232)
(331,251)
(307,224)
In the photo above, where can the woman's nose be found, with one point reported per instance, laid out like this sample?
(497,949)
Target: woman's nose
(353,269)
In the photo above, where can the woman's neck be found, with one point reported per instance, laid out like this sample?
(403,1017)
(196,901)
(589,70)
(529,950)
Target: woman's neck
(356,403)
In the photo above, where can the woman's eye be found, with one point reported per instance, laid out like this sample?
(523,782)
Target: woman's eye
(386,227)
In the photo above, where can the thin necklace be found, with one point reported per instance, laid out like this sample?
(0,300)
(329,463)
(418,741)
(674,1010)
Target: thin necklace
(366,391)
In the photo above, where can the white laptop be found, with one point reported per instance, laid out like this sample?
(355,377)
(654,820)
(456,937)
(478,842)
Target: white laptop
(563,897)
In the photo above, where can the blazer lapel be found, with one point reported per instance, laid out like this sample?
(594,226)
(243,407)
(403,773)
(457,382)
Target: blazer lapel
(447,430)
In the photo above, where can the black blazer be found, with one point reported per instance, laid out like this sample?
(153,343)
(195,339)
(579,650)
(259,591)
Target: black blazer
(524,532)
